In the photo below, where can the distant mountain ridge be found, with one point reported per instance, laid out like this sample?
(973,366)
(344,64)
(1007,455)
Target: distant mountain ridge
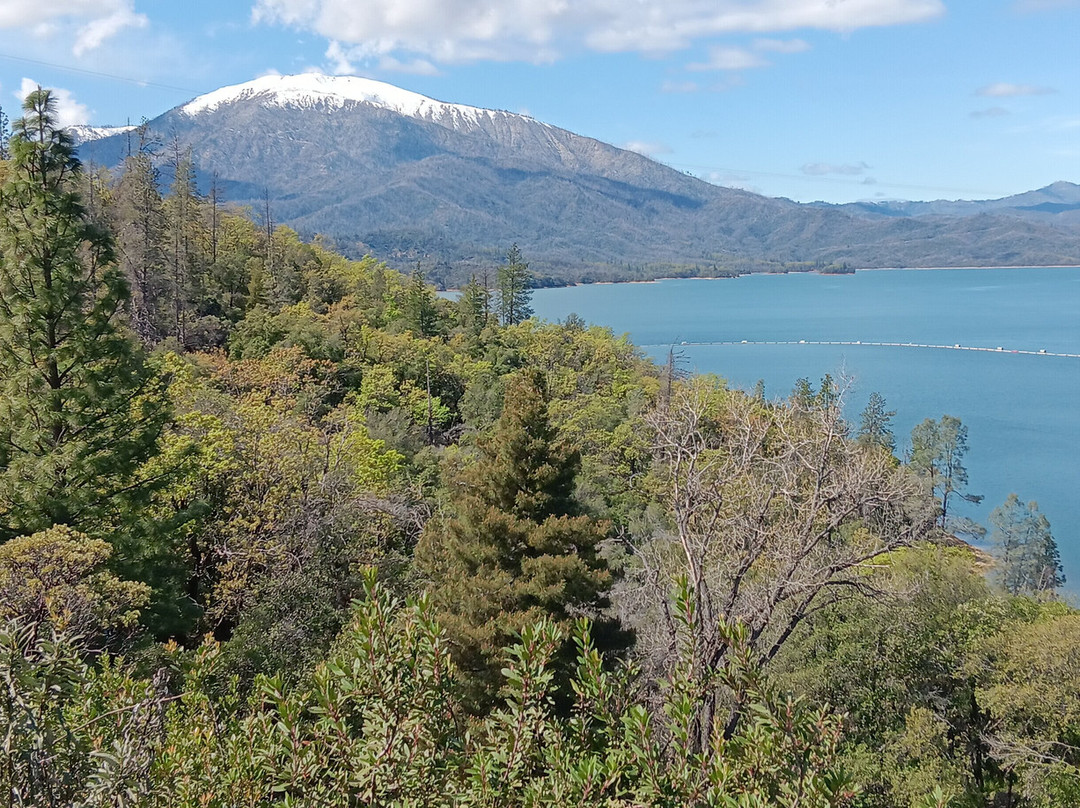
(1057,203)
(379,169)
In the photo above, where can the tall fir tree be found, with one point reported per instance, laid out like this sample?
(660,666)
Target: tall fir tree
(420,309)
(79,409)
(184,213)
(473,308)
(518,547)
(139,225)
(875,425)
(513,284)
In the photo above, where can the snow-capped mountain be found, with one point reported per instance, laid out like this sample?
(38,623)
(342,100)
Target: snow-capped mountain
(320,92)
(81,133)
(384,170)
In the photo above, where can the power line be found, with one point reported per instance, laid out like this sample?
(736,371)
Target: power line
(98,74)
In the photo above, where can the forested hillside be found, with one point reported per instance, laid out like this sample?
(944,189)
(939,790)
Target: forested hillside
(282,528)
(377,169)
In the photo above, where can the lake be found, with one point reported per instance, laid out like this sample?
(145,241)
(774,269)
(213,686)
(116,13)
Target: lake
(1020,408)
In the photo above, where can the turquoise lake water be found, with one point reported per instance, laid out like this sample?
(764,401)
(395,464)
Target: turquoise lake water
(1020,410)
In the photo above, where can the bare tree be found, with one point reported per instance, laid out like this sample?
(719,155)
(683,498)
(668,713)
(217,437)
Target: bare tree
(772,512)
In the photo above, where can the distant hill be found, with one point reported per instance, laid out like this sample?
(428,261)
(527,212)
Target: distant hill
(1057,204)
(378,169)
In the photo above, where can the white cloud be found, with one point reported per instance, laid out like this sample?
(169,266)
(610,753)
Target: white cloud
(91,35)
(340,65)
(1004,89)
(540,30)
(781,45)
(94,21)
(69,112)
(725,58)
(845,169)
(649,149)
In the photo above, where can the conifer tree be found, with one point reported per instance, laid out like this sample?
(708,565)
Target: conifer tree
(937,455)
(513,283)
(518,547)
(1028,560)
(473,306)
(421,312)
(78,410)
(875,425)
(140,226)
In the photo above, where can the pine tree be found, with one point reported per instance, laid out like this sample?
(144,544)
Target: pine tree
(421,313)
(138,220)
(518,547)
(473,306)
(875,425)
(937,455)
(79,409)
(513,284)
(1027,554)
(183,207)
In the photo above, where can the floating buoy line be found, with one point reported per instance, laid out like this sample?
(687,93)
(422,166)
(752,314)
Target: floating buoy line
(956,347)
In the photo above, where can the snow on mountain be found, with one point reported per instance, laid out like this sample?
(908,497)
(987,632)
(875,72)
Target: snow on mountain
(314,90)
(82,133)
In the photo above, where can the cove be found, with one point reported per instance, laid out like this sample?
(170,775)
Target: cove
(1019,404)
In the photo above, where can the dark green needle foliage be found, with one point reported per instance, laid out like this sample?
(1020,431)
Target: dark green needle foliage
(79,409)
(518,548)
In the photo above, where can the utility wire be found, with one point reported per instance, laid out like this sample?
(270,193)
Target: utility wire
(98,74)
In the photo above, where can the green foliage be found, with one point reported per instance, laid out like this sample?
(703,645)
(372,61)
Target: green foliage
(56,578)
(517,548)
(1028,561)
(875,425)
(937,455)
(513,289)
(380,723)
(79,409)
(1025,677)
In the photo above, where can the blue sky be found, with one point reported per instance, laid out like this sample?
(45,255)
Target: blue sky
(836,100)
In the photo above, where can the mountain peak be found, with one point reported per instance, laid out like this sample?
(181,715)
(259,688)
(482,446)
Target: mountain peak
(310,90)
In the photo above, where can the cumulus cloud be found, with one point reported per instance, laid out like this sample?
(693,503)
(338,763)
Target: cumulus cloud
(845,169)
(69,112)
(94,21)
(1004,89)
(540,30)
(647,148)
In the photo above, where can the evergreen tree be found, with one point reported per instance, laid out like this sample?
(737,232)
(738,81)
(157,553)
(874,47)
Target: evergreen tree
(1027,555)
(473,307)
(937,455)
(138,222)
(421,314)
(518,547)
(875,425)
(78,410)
(514,294)
(183,207)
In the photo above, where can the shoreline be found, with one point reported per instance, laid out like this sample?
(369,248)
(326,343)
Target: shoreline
(571,285)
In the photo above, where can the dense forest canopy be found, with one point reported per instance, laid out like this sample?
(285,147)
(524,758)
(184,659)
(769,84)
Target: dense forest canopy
(281,528)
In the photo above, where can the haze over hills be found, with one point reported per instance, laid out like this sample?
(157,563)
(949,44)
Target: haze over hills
(383,170)
(1058,203)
